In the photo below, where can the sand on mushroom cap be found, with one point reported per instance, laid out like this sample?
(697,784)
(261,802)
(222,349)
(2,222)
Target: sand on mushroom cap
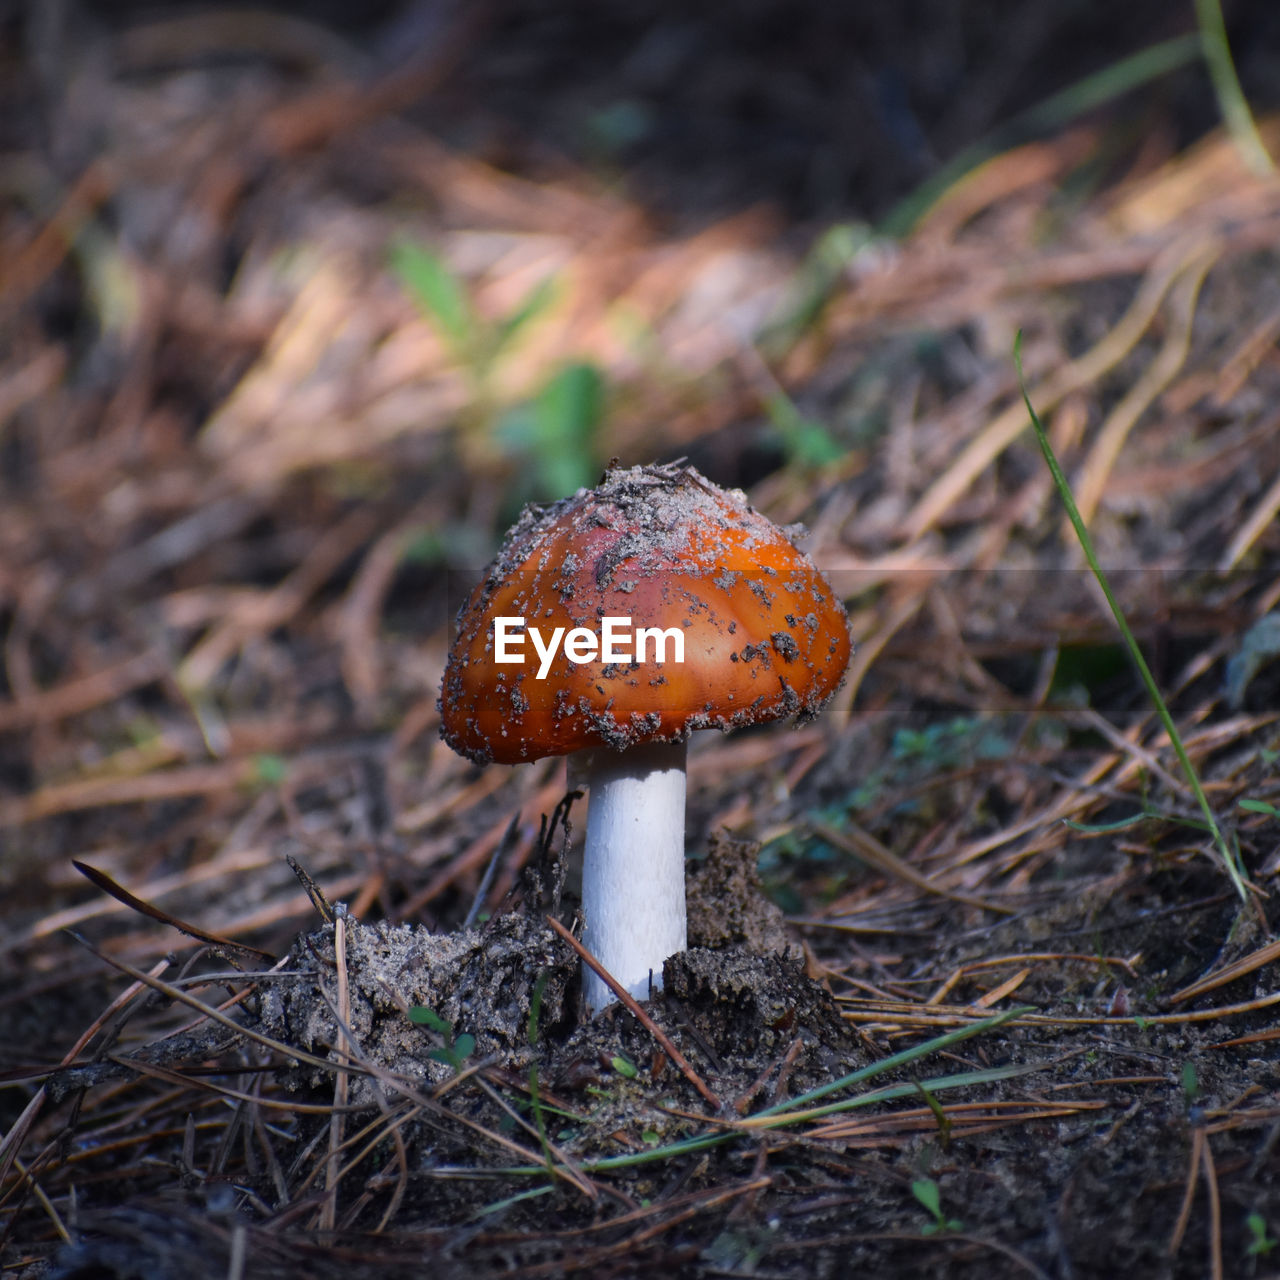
(663,547)
(764,637)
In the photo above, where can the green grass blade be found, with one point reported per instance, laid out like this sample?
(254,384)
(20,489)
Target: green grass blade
(1260,806)
(1060,108)
(786,1113)
(1102,828)
(1226,85)
(438,293)
(501,1206)
(889,1093)
(1229,863)
(902,1059)
(908,1089)
(566,417)
(535,302)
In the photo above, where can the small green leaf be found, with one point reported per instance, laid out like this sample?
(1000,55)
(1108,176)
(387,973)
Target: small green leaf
(926,1191)
(556,431)
(534,304)
(425,545)
(1190,1081)
(624,1067)
(807,441)
(438,293)
(421,1016)
(270,770)
(565,417)
(464,1046)
(1260,806)
(1260,1243)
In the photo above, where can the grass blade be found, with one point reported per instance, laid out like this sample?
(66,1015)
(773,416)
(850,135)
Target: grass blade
(1229,862)
(438,293)
(1060,108)
(1226,85)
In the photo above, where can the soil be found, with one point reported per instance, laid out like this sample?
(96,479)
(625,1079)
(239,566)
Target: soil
(1094,1188)
(971,991)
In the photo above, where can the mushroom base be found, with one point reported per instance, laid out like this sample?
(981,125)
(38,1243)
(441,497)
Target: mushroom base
(633,872)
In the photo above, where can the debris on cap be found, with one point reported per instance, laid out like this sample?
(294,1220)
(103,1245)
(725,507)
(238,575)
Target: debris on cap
(765,636)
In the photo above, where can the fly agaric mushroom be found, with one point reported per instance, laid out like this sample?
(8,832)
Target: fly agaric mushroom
(614,623)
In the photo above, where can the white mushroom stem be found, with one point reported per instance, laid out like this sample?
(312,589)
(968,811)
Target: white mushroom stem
(633,872)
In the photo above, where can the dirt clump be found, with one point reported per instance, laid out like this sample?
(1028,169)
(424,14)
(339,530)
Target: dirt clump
(725,901)
(477,982)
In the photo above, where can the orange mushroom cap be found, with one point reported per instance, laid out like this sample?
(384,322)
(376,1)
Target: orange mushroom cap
(765,636)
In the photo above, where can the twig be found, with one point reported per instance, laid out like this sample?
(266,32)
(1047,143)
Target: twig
(329,1209)
(631,1003)
(1226,85)
(1258,522)
(1228,973)
(863,845)
(74,697)
(289,1052)
(268,610)
(1086,369)
(1154,379)
(100,880)
(91,793)
(1215,1210)
(486,881)
(314,892)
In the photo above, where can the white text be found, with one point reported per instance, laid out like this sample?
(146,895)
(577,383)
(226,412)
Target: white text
(581,644)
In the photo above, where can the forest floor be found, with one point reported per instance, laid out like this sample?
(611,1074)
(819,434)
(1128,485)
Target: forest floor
(284,349)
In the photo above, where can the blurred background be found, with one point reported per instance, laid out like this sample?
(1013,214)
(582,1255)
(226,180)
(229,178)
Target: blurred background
(300,304)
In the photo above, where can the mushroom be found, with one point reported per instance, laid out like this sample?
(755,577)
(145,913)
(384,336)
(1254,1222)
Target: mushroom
(613,623)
